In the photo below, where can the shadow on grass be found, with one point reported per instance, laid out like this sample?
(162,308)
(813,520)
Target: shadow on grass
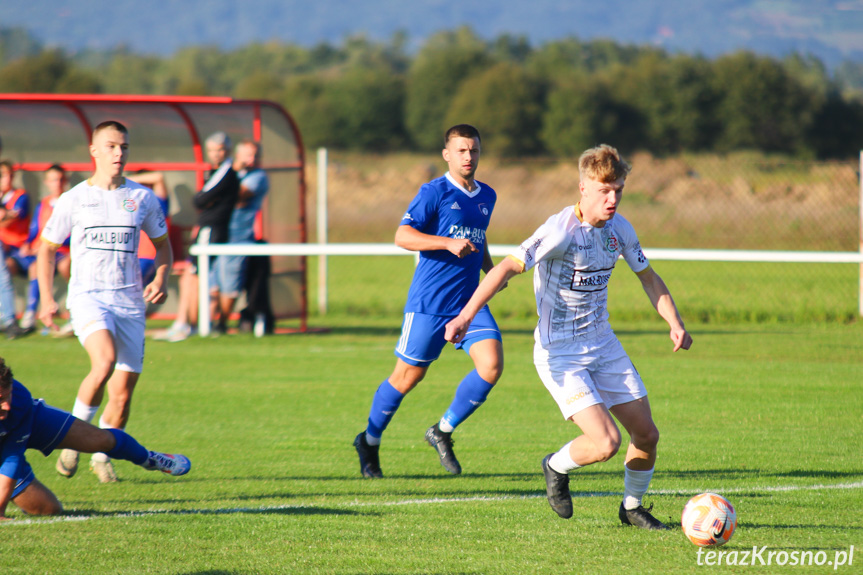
(715,475)
(272,510)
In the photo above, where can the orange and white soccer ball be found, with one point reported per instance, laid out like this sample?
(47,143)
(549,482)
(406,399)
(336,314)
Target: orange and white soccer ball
(708,520)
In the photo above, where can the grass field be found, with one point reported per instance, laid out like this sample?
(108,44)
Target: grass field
(769,414)
(708,292)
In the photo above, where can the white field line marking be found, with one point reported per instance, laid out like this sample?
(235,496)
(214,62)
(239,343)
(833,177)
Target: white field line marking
(428,501)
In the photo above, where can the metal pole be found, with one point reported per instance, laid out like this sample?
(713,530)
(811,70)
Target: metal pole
(322,229)
(203,285)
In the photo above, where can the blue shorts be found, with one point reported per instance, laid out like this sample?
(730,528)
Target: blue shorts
(228,275)
(23,262)
(422,337)
(148,270)
(50,426)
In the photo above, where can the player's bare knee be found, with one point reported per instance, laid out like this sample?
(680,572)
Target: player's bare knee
(102,442)
(646,439)
(42,502)
(102,368)
(50,508)
(606,446)
(406,380)
(490,371)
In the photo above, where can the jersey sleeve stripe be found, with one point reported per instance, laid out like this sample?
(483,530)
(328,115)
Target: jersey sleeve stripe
(517,261)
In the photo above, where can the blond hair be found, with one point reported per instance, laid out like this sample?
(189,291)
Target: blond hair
(603,164)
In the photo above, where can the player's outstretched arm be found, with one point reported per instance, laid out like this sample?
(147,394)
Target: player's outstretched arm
(492,283)
(45,262)
(412,239)
(661,299)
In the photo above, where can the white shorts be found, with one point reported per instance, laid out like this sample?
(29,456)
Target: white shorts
(125,324)
(579,374)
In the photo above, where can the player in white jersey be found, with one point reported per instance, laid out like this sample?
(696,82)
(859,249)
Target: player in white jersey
(576,353)
(103,217)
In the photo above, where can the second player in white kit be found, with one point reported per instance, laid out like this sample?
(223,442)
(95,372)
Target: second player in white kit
(577,356)
(103,217)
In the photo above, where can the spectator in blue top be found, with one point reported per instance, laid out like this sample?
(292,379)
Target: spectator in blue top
(229,272)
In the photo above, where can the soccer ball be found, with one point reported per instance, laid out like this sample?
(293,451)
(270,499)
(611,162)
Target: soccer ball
(708,520)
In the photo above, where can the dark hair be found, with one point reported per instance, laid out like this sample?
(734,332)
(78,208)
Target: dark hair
(56,168)
(5,374)
(110,124)
(8,165)
(461,131)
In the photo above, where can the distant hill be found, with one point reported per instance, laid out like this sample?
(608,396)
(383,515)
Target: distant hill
(832,30)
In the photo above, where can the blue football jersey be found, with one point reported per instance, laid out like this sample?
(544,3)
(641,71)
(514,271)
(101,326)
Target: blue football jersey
(15,430)
(443,283)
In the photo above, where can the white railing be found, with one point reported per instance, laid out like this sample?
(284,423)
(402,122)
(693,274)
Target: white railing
(324,249)
(203,250)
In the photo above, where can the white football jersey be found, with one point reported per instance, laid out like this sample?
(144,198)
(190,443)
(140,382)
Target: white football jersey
(572,263)
(104,227)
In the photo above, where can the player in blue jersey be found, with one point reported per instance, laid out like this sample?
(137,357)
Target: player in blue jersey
(446,222)
(27,423)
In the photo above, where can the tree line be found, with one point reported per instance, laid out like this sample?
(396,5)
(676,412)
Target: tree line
(555,99)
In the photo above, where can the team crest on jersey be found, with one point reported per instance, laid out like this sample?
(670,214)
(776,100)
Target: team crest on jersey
(483,209)
(130,205)
(611,244)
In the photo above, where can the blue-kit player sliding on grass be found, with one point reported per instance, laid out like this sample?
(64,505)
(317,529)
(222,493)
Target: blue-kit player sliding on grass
(577,356)
(27,423)
(446,222)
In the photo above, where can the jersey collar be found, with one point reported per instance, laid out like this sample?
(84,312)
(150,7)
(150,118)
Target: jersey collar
(92,185)
(578,214)
(469,194)
(577,209)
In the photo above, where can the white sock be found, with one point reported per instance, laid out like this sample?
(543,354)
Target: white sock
(445,427)
(83,411)
(635,484)
(372,440)
(561,461)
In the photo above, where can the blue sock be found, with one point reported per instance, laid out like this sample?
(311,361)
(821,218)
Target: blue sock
(33,295)
(470,394)
(384,406)
(128,448)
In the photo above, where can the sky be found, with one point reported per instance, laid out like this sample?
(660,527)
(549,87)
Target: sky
(830,29)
